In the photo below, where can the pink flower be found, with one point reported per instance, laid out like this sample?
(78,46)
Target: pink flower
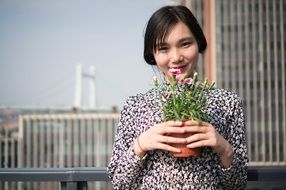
(168,95)
(174,71)
(186,81)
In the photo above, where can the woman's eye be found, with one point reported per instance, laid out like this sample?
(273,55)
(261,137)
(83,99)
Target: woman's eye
(186,44)
(162,49)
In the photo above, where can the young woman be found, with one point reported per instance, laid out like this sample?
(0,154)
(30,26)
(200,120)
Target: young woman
(141,155)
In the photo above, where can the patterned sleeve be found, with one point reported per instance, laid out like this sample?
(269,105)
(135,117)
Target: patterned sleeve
(125,165)
(235,177)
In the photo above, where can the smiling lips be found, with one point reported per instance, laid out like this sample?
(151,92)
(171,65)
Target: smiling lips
(181,68)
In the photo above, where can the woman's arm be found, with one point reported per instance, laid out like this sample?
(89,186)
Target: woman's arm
(125,166)
(235,176)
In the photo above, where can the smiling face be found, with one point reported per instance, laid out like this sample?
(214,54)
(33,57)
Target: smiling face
(179,50)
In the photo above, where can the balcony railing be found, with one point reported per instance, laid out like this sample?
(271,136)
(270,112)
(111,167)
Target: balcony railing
(77,178)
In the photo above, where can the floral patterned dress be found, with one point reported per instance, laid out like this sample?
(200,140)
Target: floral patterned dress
(158,169)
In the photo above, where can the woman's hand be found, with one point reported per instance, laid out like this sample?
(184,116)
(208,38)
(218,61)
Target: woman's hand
(206,135)
(157,138)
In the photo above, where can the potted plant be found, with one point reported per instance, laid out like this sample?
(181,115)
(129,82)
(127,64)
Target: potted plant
(184,100)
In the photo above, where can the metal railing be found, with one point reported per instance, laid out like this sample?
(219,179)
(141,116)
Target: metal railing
(77,178)
(69,178)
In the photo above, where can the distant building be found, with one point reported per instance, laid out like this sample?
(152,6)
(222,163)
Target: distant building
(246,54)
(53,138)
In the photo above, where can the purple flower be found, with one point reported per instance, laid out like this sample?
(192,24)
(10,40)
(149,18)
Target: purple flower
(186,81)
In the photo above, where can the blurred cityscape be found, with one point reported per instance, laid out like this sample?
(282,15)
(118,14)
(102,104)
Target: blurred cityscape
(246,54)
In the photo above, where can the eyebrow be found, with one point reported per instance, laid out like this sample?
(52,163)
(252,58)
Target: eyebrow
(190,38)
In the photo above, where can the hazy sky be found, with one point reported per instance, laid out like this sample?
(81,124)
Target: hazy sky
(41,42)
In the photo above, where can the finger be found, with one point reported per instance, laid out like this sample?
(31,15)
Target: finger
(169,139)
(199,144)
(168,147)
(174,123)
(197,137)
(196,129)
(203,123)
(192,123)
(167,129)
(203,129)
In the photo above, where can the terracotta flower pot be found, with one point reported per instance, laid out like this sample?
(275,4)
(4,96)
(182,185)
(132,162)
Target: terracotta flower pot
(185,151)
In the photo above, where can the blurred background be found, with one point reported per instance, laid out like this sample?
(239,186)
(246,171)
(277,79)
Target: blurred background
(66,68)
(42,42)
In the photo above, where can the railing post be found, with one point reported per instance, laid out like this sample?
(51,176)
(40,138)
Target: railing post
(73,185)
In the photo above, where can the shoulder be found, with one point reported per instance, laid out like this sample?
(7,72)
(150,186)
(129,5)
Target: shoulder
(134,99)
(223,96)
(224,103)
(140,99)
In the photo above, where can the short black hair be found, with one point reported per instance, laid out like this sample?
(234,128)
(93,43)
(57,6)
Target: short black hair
(162,21)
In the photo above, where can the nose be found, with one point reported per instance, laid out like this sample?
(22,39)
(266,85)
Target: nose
(175,56)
